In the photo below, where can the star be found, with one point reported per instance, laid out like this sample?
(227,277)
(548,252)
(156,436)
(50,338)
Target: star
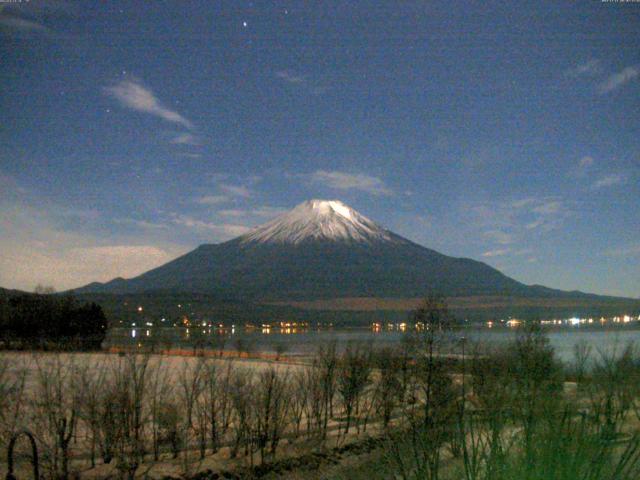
(244,24)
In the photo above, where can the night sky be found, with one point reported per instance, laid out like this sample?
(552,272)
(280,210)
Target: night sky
(507,132)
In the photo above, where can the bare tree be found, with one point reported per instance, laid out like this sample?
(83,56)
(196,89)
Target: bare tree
(56,406)
(241,392)
(218,342)
(91,387)
(224,397)
(581,355)
(280,348)
(127,406)
(430,422)
(159,388)
(214,406)
(613,386)
(271,401)
(13,378)
(353,374)
(169,425)
(189,387)
(387,390)
(244,345)
(327,364)
(206,408)
(315,404)
(299,395)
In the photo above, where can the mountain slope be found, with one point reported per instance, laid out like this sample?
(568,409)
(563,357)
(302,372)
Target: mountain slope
(318,250)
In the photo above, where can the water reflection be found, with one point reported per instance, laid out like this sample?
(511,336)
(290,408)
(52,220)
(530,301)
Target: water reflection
(298,338)
(201,331)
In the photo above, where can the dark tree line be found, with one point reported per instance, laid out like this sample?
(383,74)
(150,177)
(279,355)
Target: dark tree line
(50,321)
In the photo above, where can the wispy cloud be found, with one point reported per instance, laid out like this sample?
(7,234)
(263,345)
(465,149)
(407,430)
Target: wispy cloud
(626,251)
(262,212)
(212,199)
(20,24)
(608,181)
(548,208)
(549,214)
(496,253)
(523,202)
(510,222)
(38,247)
(350,181)
(236,190)
(123,260)
(618,80)
(186,139)
(233,212)
(227,192)
(222,230)
(582,168)
(535,224)
(585,162)
(500,252)
(290,76)
(304,83)
(144,224)
(589,68)
(134,95)
(499,236)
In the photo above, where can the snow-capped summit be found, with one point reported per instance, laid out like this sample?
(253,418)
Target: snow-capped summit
(320,220)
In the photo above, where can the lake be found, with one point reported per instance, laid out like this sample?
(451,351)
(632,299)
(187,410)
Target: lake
(305,342)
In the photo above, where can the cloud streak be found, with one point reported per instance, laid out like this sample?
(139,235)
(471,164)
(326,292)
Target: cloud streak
(507,251)
(38,247)
(290,76)
(212,199)
(223,230)
(628,251)
(348,181)
(608,181)
(261,212)
(496,253)
(499,236)
(589,68)
(186,139)
(618,80)
(21,24)
(503,226)
(236,190)
(302,82)
(134,95)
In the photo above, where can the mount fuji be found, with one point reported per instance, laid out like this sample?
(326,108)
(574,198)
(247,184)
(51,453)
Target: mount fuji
(323,249)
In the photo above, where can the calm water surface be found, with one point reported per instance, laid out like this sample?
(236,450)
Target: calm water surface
(563,340)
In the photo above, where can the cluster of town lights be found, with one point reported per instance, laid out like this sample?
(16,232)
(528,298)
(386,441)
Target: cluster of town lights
(573,321)
(292,327)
